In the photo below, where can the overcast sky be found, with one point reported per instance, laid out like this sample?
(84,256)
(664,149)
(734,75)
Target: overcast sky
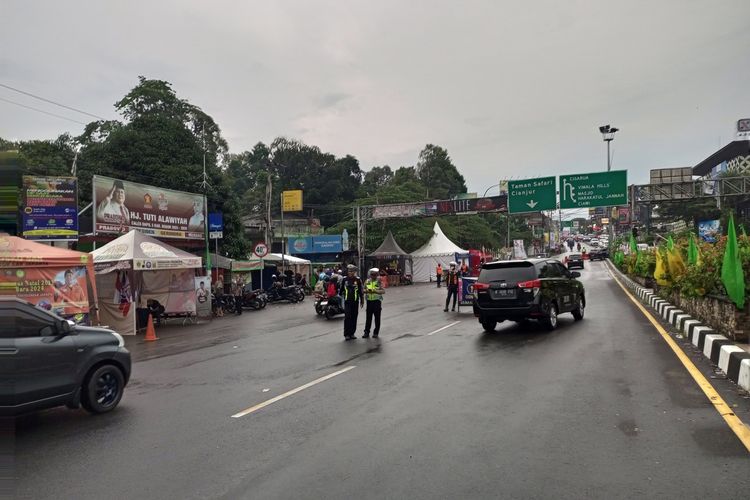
(511,89)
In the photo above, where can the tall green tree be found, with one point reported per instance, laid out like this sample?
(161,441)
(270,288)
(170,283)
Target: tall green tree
(436,171)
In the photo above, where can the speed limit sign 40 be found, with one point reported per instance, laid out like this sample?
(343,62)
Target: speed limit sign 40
(261,249)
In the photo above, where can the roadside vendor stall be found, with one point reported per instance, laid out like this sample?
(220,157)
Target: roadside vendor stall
(391,259)
(55,279)
(136,268)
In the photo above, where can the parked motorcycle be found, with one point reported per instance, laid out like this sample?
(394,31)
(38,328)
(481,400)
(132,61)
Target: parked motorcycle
(254,299)
(279,293)
(225,303)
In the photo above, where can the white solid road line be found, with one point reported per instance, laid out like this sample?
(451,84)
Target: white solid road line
(290,393)
(443,328)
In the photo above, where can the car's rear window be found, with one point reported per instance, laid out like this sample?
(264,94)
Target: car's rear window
(574,256)
(511,272)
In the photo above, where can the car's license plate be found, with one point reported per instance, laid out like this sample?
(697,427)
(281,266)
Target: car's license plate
(503,293)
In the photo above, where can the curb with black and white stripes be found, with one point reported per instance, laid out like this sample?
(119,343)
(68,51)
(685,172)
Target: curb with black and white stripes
(731,359)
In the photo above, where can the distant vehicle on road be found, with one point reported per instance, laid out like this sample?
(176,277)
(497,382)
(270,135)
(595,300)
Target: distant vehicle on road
(574,260)
(598,254)
(586,239)
(522,290)
(47,361)
(594,242)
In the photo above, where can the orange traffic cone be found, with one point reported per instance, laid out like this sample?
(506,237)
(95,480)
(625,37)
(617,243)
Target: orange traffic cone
(150,332)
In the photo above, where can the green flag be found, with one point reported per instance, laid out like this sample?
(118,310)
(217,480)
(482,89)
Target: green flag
(693,252)
(670,243)
(742,230)
(731,268)
(633,245)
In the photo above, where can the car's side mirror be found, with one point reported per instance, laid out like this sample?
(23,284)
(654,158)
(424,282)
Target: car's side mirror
(575,274)
(65,327)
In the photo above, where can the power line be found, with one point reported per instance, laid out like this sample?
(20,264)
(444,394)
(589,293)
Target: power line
(40,110)
(51,102)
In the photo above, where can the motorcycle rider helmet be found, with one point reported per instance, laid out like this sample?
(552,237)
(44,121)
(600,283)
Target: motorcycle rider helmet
(374,270)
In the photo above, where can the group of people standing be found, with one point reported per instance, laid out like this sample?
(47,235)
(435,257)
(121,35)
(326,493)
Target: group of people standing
(236,290)
(356,294)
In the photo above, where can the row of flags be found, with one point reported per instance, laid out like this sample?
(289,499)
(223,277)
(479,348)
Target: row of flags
(669,262)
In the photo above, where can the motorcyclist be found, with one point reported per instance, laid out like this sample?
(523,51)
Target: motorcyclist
(332,291)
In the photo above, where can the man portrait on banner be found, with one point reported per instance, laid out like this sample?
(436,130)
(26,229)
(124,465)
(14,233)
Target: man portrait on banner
(197,221)
(112,209)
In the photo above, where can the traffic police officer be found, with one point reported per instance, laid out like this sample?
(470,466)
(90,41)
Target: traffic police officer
(351,289)
(374,291)
(451,282)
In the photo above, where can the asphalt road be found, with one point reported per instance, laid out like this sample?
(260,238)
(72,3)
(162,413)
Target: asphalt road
(587,411)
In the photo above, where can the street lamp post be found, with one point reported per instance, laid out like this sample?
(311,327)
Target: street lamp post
(608,135)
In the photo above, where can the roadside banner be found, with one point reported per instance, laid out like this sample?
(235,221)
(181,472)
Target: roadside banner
(50,208)
(203,296)
(466,291)
(62,291)
(120,206)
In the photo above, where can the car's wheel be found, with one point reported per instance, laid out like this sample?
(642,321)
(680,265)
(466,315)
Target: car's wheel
(550,322)
(489,325)
(102,389)
(579,310)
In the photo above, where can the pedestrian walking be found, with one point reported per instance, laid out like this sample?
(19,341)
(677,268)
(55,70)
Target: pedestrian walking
(351,289)
(439,274)
(374,293)
(451,282)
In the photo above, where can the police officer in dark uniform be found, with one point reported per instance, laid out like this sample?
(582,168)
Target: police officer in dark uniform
(351,290)
(451,282)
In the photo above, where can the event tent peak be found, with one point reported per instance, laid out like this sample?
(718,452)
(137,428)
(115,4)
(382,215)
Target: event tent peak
(146,253)
(389,247)
(439,244)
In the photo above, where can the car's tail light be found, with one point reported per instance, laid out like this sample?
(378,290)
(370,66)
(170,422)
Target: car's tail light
(481,286)
(530,284)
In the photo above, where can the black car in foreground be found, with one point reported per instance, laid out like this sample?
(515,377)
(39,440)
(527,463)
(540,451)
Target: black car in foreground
(46,361)
(522,290)
(574,260)
(599,254)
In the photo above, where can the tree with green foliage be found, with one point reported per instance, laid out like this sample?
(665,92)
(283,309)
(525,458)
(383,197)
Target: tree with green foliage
(436,171)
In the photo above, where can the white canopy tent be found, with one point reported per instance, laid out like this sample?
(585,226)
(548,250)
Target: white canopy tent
(298,265)
(438,250)
(134,268)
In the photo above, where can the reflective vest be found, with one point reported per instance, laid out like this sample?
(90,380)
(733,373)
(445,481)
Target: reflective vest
(371,286)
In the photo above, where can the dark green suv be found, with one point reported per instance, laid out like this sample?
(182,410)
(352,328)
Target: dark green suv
(522,290)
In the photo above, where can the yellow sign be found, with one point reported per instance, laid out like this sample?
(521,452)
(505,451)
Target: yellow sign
(291,201)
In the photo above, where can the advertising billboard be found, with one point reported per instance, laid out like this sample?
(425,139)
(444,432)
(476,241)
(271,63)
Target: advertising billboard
(120,206)
(473,206)
(291,201)
(50,208)
(315,244)
(327,244)
(61,291)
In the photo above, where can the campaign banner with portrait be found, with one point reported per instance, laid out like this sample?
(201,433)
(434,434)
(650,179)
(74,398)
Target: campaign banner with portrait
(203,296)
(49,209)
(120,206)
(61,291)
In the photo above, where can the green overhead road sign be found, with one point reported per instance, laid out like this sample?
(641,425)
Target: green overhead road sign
(600,189)
(532,195)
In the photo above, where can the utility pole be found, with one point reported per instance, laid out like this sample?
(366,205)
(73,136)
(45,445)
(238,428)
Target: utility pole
(359,238)
(608,135)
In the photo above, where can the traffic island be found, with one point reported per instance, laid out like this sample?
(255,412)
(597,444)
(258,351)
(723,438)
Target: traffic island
(729,357)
